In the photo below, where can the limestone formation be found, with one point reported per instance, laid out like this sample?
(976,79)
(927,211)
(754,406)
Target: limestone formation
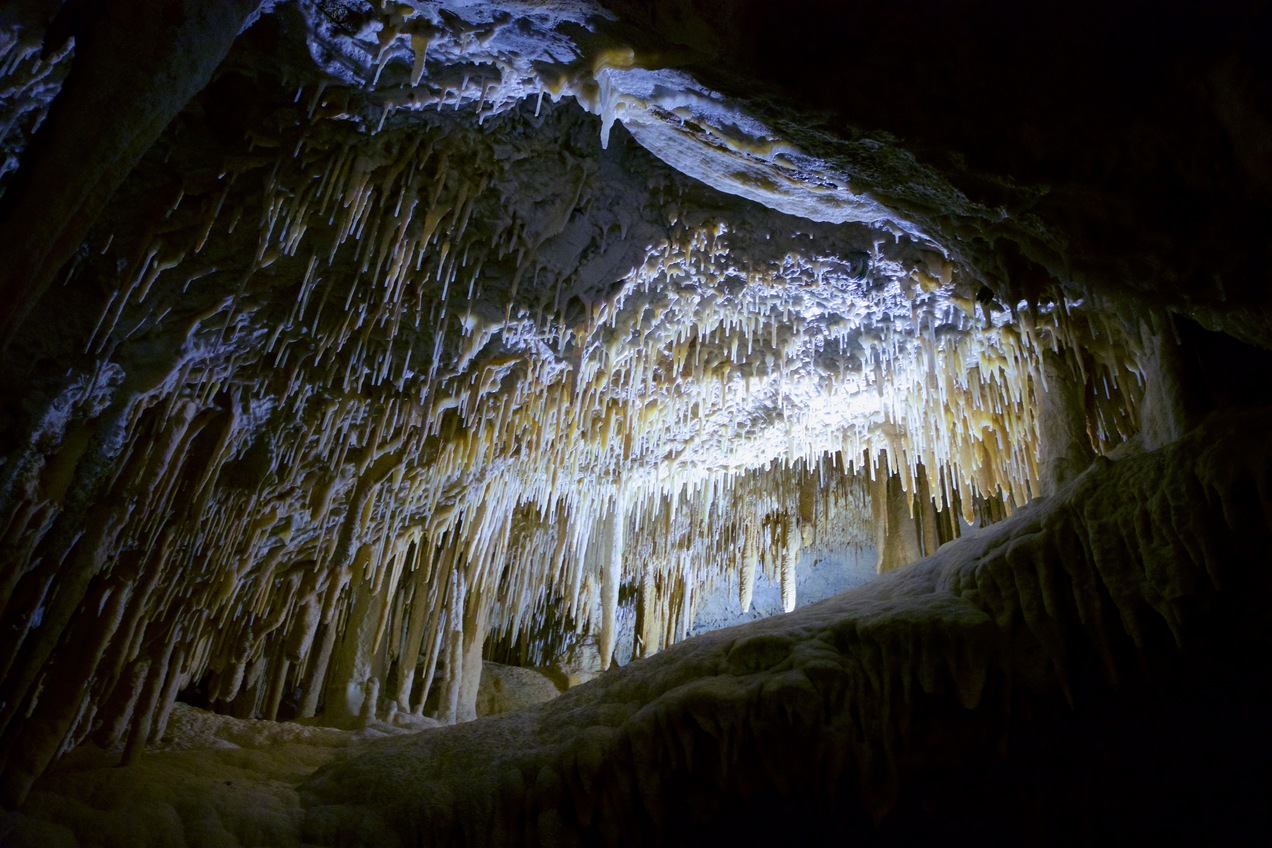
(350,348)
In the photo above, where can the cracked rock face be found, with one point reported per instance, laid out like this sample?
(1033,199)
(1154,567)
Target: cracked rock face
(369,339)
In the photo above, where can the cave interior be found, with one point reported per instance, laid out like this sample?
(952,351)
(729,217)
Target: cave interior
(593,422)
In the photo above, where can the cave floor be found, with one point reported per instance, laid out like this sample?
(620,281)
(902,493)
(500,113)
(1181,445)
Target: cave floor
(214,781)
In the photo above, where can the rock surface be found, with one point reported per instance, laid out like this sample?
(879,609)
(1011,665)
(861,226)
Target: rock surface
(346,345)
(508,688)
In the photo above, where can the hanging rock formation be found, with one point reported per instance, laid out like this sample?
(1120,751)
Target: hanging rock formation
(918,701)
(350,346)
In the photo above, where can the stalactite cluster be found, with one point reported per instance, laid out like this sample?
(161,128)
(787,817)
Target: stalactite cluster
(403,367)
(841,700)
(29,80)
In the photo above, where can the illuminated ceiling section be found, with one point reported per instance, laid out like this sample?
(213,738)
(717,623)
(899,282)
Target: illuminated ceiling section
(480,368)
(719,356)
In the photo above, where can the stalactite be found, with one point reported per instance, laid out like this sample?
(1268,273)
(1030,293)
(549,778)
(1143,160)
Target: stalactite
(790,559)
(440,397)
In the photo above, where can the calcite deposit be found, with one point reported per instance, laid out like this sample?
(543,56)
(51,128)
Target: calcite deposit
(348,348)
